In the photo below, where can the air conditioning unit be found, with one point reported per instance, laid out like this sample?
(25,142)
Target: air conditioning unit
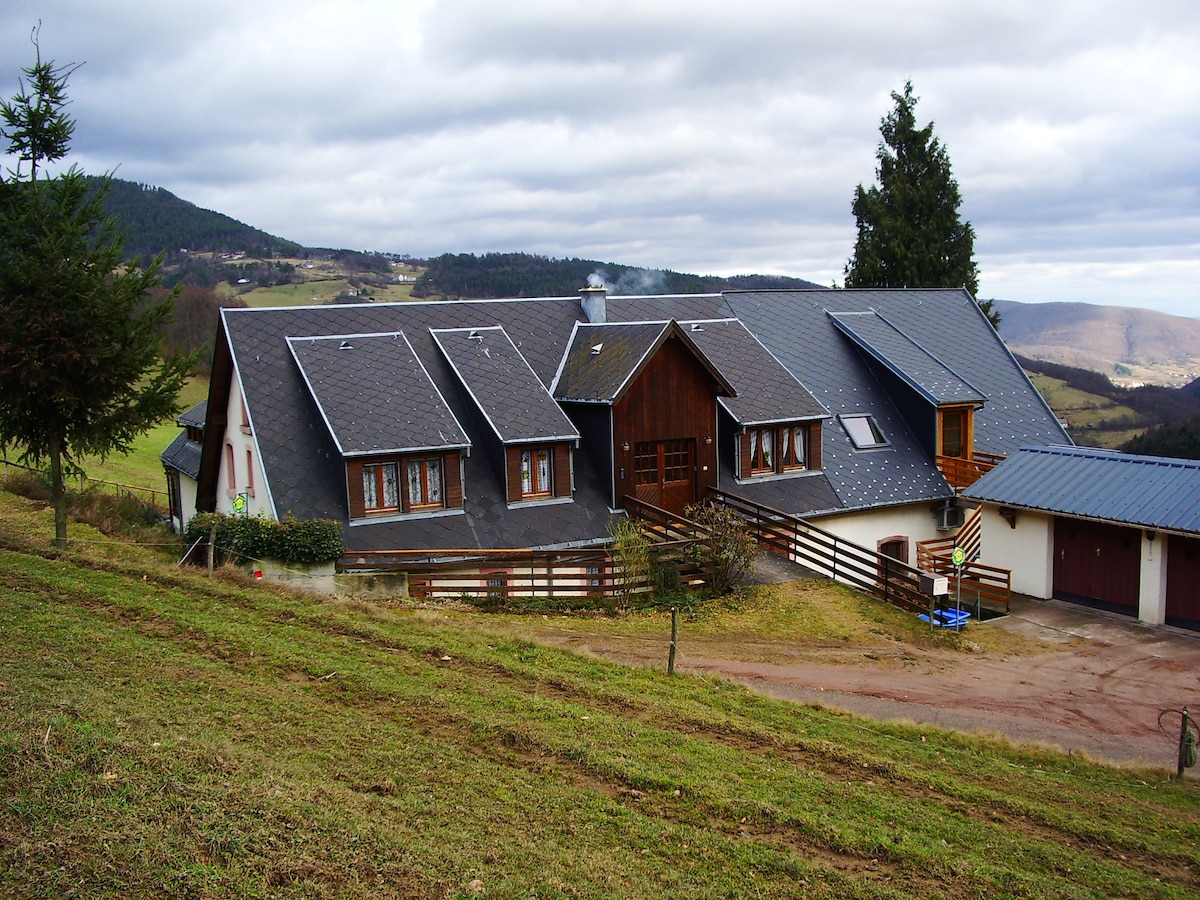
(949,517)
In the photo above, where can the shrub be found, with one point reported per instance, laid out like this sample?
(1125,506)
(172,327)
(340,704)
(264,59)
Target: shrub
(727,555)
(253,537)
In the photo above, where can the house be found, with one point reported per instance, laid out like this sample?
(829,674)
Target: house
(1107,529)
(181,463)
(526,423)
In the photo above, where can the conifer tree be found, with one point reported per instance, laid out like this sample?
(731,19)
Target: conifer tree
(910,234)
(81,367)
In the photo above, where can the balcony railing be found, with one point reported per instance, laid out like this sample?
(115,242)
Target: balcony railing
(962,473)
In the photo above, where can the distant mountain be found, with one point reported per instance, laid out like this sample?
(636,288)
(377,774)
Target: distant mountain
(155,220)
(1131,345)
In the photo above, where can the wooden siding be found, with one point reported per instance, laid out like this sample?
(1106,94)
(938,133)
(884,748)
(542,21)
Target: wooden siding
(674,397)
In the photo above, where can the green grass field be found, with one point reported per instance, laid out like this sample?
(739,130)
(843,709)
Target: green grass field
(163,734)
(1087,414)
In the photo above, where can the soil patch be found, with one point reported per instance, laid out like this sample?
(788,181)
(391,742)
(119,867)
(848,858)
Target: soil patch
(1095,685)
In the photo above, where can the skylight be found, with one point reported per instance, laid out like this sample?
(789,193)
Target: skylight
(863,431)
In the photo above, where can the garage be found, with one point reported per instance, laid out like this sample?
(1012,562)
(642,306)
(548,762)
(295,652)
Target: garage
(1097,564)
(1183,581)
(1114,531)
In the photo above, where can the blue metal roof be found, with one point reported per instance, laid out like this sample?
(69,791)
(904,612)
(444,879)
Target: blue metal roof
(1151,491)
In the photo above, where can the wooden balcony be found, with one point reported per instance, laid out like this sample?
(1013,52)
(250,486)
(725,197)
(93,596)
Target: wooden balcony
(962,473)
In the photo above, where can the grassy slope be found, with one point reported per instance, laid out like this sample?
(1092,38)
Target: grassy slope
(162,734)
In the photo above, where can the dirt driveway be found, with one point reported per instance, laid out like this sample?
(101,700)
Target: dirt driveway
(1095,684)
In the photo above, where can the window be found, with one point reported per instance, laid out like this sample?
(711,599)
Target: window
(535,473)
(778,448)
(792,453)
(762,458)
(954,433)
(249,472)
(863,431)
(381,491)
(230,471)
(425,483)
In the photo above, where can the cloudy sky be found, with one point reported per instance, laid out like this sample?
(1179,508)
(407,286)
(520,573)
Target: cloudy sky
(700,136)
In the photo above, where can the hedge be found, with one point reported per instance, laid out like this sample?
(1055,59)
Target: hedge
(253,537)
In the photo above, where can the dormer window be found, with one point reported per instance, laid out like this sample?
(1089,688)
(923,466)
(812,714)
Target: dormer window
(430,482)
(954,431)
(425,483)
(535,473)
(863,431)
(779,449)
(538,472)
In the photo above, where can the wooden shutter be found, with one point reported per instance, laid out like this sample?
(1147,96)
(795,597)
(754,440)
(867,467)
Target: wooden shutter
(814,445)
(354,488)
(452,483)
(512,473)
(562,470)
(742,463)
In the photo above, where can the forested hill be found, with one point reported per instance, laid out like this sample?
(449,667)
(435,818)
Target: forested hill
(527,275)
(155,220)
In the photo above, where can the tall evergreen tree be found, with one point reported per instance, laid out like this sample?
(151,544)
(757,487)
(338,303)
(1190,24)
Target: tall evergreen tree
(81,366)
(910,233)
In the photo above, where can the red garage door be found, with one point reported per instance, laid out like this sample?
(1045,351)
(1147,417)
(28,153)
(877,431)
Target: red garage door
(1097,564)
(1183,581)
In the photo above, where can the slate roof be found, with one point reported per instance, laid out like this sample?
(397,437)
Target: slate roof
(375,395)
(602,359)
(906,359)
(513,401)
(194,416)
(183,455)
(795,327)
(304,472)
(305,475)
(766,391)
(1150,491)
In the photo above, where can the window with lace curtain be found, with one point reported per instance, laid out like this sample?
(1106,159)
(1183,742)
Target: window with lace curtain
(775,449)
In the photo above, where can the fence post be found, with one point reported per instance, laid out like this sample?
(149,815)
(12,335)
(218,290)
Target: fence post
(674,640)
(212,547)
(1183,735)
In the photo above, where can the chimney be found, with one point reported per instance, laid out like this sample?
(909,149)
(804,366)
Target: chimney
(593,301)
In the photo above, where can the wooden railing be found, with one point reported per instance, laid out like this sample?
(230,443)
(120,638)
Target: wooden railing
(822,551)
(980,583)
(148,496)
(962,473)
(569,576)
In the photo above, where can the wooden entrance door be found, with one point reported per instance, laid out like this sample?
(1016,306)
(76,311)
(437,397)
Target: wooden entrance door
(662,472)
(1097,562)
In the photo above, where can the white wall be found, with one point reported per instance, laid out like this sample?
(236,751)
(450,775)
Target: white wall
(1152,590)
(1027,549)
(914,522)
(248,475)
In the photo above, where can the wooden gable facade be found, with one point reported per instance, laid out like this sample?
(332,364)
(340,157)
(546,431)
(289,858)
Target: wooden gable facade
(665,425)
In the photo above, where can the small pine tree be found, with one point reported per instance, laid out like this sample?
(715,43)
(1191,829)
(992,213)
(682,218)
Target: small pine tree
(81,366)
(910,234)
